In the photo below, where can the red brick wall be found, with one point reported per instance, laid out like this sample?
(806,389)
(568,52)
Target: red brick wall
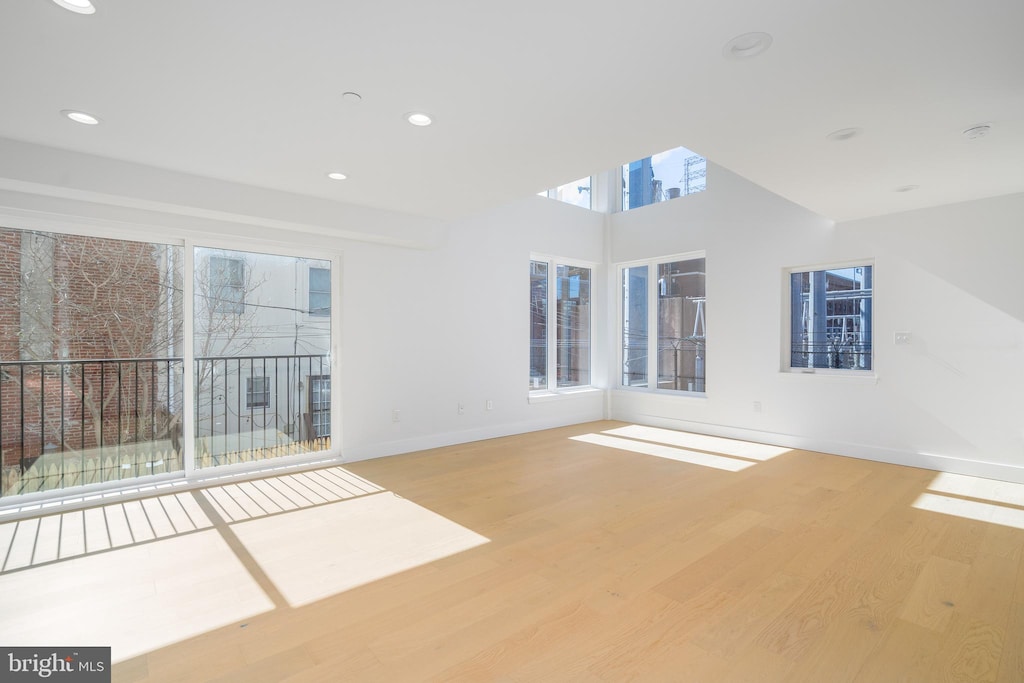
(106,305)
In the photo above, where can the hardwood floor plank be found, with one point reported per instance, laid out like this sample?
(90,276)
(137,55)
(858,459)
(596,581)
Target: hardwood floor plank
(935,593)
(969,652)
(795,632)
(906,655)
(1011,665)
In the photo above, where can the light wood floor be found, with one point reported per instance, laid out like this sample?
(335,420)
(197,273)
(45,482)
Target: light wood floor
(606,564)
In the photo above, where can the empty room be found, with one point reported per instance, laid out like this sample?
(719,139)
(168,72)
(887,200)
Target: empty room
(580,341)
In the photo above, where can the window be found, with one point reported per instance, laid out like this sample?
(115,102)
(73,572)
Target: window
(559,348)
(226,285)
(93,378)
(320,404)
(257,392)
(320,291)
(830,318)
(667,175)
(576,193)
(673,293)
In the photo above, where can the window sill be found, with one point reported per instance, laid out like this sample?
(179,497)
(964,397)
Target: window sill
(861,376)
(544,396)
(663,392)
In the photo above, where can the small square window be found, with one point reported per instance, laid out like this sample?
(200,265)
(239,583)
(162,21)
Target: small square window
(257,392)
(830,318)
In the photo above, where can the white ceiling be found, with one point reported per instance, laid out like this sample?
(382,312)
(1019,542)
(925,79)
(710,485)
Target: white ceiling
(529,94)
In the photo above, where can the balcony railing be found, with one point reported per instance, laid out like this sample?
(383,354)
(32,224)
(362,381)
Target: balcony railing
(80,422)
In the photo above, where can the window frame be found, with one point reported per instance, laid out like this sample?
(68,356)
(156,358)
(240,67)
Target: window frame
(785,358)
(653,316)
(188,241)
(551,386)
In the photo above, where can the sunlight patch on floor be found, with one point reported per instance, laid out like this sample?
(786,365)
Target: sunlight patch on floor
(261,497)
(702,442)
(971,509)
(41,540)
(976,487)
(134,599)
(317,552)
(718,462)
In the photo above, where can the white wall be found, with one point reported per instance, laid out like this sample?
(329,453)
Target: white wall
(952,399)
(425,330)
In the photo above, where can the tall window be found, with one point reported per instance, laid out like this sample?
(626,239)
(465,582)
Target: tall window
(830,318)
(673,294)
(559,347)
(667,175)
(538,325)
(319,291)
(93,383)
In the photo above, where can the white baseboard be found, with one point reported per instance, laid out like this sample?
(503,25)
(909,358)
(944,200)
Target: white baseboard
(428,441)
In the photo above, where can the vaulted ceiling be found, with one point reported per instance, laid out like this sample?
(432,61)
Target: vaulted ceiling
(530,94)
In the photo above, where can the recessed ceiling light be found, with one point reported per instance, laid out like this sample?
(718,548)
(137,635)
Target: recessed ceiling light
(80,117)
(976,132)
(418,118)
(334,175)
(844,134)
(747,45)
(351,97)
(79,6)
(906,188)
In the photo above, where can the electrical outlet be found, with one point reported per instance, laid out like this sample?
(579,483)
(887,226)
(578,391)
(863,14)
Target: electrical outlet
(396,415)
(901,338)
(757,406)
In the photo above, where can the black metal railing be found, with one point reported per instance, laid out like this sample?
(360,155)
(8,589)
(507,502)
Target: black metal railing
(66,423)
(835,355)
(249,403)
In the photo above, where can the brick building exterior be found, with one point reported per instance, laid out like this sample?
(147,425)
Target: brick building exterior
(68,302)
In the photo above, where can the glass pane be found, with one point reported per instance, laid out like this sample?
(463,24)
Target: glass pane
(576,193)
(681,325)
(254,362)
(634,326)
(90,364)
(668,175)
(538,325)
(831,318)
(572,296)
